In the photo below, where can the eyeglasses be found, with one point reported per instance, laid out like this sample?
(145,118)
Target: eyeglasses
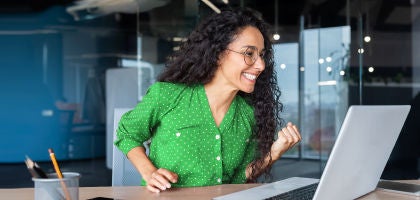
(250,54)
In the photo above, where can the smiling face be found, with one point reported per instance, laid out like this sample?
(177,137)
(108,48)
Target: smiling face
(236,67)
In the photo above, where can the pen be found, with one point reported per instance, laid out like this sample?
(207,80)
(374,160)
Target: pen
(59,174)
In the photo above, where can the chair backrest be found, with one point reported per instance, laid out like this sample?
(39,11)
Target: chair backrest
(121,92)
(123,172)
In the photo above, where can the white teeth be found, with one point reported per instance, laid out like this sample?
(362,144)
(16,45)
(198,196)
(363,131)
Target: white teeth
(250,76)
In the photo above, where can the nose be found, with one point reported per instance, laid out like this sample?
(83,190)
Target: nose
(259,64)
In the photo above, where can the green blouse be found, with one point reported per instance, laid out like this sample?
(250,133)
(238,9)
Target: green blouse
(185,139)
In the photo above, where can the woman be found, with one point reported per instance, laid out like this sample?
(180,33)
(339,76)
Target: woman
(213,114)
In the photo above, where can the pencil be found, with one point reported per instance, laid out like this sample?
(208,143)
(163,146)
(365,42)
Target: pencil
(59,174)
(55,164)
(34,168)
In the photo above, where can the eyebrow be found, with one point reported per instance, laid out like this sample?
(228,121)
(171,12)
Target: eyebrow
(247,46)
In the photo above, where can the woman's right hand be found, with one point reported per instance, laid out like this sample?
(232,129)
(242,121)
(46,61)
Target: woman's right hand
(157,179)
(160,180)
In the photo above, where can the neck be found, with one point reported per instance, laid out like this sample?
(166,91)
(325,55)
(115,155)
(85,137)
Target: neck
(220,97)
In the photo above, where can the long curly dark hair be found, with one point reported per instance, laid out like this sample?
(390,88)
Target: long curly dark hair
(197,61)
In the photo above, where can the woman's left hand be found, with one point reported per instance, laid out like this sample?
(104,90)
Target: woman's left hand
(287,138)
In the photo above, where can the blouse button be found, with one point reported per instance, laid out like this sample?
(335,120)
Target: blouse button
(178,134)
(217,137)
(218,158)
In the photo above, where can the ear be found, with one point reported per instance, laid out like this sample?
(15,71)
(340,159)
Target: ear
(221,57)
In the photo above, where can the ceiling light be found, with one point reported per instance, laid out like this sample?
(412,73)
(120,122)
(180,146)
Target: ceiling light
(326,83)
(211,5)
(328,59)
(367,38)
(276,36)
(329,69)
(89,9)
(283,66)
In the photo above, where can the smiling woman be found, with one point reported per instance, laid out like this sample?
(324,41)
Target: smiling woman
(213,114)
(242,75)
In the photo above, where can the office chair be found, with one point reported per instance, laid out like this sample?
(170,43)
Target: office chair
(123,172)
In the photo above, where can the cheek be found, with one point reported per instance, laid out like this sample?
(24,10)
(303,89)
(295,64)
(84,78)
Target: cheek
(230,71)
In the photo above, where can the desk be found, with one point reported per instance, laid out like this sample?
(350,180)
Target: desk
(134,192)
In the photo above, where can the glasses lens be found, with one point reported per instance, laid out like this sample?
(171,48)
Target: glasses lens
(250,55)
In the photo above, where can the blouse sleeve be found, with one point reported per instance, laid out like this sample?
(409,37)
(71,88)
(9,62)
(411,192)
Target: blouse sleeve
(135,126)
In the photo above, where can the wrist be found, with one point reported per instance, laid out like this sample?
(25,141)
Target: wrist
(148,173)
(274,157)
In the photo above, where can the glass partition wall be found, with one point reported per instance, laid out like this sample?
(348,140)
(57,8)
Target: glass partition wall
(352,56)
(326,54)
(74,62)
(322,100)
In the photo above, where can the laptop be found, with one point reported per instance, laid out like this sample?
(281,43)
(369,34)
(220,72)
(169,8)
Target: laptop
(359,155)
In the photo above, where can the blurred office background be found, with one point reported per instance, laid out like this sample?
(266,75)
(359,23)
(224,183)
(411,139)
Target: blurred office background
(66,64)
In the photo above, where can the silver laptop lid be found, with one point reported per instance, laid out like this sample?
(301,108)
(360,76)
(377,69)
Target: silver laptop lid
(359,155)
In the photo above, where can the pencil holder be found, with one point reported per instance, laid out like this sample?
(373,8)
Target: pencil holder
(54,188)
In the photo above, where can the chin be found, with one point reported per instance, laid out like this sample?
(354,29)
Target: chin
(248,90)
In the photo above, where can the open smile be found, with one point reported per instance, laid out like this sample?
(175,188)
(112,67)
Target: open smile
(249,76)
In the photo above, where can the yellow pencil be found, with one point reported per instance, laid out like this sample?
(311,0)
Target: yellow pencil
(59,174)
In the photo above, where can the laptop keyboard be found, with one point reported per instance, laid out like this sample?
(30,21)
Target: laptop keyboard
(303,193)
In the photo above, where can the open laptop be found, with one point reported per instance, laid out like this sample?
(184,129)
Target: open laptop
(364,143)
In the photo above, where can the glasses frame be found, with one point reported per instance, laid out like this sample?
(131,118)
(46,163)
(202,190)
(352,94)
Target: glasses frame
(244,53)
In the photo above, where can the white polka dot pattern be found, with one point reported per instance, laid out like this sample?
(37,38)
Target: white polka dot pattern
(185,138)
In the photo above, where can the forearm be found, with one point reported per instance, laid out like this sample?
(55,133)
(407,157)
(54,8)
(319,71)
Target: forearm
(141,162)
(267,162)
(287,137)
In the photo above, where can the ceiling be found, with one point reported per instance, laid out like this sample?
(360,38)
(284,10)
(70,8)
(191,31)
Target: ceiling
(178,17)
(382,15)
